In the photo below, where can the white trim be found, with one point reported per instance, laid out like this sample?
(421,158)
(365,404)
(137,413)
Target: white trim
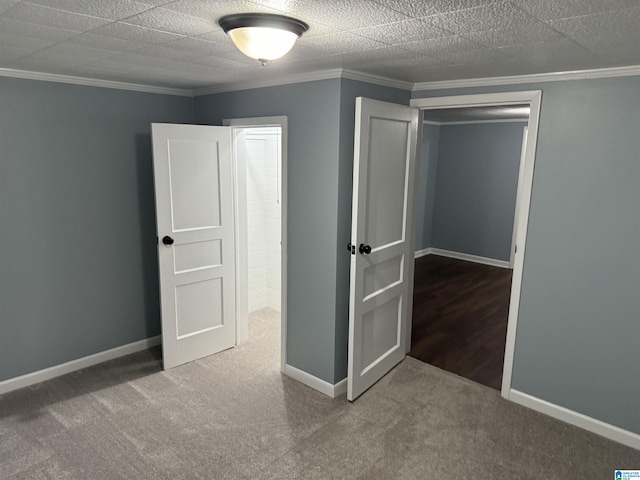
(423,252)
(241,256)
(534,99)
(517,212)
(301,78)
(493,262)
(269,82)
(78,364)
(226,87)
(324,75)
(242,324)
(316,383)
(92,82)
(598,427)
(274,121)
(474,122)
(533,78)
(477,100)
(340,388)
(376,80)
(523,205)
(412,243)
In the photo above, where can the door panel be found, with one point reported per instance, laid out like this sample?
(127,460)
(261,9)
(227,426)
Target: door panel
(381,274)
(191,256)
(384,163)
(194,207)
(384,208)
(199,307)
(194,181)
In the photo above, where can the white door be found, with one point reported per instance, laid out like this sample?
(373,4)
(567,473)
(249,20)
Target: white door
(514,235)
(194,210)
(386,137)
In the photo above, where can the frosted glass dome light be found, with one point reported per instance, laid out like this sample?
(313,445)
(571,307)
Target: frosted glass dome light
(263,36)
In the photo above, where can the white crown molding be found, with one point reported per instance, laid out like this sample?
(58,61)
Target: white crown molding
(533,78)
(269,82)
(92,82)
(304,77)
(376,80)
(227,87)
(325,75)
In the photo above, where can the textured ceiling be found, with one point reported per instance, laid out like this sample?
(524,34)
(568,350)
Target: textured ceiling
(478,114)
(178,43)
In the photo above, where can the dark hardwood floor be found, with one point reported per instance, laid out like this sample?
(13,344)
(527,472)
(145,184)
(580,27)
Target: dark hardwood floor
(460,312)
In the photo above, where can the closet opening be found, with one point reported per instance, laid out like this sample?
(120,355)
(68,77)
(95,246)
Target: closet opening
(260,187)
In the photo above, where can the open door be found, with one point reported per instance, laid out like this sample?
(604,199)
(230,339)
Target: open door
(514,235)
(194,211)
(382,243)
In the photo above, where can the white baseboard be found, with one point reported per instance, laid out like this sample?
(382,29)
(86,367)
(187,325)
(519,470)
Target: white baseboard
(463,256)
(340,388)
(423,252)
(316,383)
(78,364)
(599,427)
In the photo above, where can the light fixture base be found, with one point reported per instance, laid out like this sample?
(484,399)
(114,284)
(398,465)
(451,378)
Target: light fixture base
(265,20)
(262,36)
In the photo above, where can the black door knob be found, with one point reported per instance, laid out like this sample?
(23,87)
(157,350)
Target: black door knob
(364,249)
(167,240)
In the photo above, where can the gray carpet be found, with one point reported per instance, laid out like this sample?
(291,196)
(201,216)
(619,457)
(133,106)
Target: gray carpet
(234,416)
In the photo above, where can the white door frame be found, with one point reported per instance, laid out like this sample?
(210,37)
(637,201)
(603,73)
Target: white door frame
(240,194)
(514,235)
(533,98)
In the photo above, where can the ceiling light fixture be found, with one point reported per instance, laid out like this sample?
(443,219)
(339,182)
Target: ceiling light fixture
(262,36)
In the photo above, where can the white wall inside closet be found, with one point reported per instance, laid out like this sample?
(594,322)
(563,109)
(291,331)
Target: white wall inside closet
(263,167)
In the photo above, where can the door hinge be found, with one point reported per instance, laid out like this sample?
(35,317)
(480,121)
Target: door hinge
(351,248)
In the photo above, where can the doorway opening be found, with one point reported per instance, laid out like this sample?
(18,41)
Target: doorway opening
(476,171)
(259,146)
(464,238)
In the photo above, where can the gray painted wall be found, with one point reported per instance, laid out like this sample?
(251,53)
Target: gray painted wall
(77,218)
(579,321)
(78,269)
(313,111)
(426,185)
(320,167)
(476,185)
(78,261)
(349,91)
